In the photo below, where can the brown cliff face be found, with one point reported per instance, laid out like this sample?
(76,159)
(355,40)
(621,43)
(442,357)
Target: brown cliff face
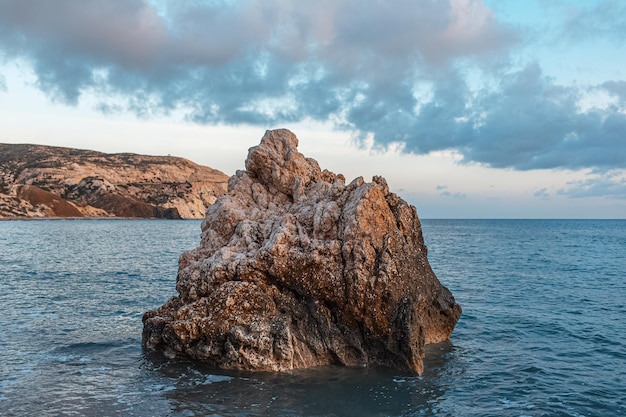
(297,269)
(45,181)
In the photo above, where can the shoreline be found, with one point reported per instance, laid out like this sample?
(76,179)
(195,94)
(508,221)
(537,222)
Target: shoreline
(202,218)
(12,219)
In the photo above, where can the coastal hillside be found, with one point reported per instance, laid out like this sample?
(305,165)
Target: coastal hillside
(45,181)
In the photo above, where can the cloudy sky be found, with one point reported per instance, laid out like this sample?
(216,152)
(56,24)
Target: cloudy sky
(469,108)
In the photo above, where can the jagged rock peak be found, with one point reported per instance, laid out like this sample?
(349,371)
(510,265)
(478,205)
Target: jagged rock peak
(297,269)
(278,165)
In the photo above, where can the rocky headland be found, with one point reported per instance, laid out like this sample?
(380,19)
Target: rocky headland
(45,181)
(297,269)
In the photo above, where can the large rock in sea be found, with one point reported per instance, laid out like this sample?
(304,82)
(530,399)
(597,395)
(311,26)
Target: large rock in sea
(297,269)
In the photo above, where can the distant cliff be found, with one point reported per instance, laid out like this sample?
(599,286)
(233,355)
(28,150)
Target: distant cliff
(44,181)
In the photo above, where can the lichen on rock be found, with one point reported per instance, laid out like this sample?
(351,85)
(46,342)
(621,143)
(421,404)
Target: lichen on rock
(297,269)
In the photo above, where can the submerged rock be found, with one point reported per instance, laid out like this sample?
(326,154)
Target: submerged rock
(298,269)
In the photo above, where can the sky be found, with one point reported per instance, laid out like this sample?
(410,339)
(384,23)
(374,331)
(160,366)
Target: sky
(469,108)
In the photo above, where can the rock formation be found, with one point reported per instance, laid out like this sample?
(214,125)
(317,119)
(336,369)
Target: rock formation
(297,269)
(46,181)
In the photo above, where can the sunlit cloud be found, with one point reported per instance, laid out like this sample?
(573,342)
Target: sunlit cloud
(421,77)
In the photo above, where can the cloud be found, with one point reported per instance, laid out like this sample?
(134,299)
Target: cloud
(447,194)
(203,36)
(542,193)
(456,196)
(602,19)
(396,72)
(3,83)
(617,89)
(534,123)
(259,61)
(528,122)
(608,185)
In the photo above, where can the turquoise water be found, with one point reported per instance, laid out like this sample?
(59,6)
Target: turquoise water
(543,332)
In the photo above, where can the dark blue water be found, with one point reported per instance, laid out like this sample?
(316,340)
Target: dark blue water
(543,331)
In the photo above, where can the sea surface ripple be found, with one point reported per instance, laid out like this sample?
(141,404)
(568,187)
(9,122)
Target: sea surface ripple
(543,331)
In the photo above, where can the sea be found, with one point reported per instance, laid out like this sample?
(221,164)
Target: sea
(543,330)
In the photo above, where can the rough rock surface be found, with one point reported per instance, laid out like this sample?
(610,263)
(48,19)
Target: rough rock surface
(46,181)
(297,269)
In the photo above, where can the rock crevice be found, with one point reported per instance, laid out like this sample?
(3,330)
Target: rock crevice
(297,269)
